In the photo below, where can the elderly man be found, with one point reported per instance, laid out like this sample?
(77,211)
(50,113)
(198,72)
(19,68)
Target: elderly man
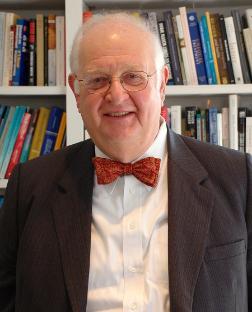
(136,219)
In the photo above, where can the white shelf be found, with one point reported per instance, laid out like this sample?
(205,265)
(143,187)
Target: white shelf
(25,90)
(244,89)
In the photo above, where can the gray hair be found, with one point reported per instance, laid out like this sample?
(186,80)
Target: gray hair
(96,19)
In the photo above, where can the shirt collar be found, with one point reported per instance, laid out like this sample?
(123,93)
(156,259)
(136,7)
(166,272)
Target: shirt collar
(158,149)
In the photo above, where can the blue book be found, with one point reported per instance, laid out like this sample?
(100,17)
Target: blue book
(20,53)
(51,130)
(213,130)
(197,47)
(11,138)
(209,49)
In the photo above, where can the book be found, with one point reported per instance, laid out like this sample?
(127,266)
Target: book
(28,139)
(234,52)
(52,50)
(61,132)
(203,125)
(172,47)
(241,46)
(45,50)
(3,122)
(207,51)
(40,49)
(197,47)
(249,135)
(7,122)
(242,114)
(225,127)
(247,33)
(213,130)
(219,129)
(17,149)
(227,55)
(51,130)
(39,133)
(219,48)
(209,27)
(188,45)
(60,51)
(190,115)
(32,53)
(10,139)
(233,120)
(198,125)
(248,14)
(164,44)
(2,41)
(176,119)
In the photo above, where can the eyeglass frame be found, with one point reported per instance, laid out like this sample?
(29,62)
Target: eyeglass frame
(148,76)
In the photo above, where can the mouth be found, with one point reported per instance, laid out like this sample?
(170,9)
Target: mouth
(118,114)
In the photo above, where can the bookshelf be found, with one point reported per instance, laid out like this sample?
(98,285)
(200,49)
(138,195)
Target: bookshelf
(73,18)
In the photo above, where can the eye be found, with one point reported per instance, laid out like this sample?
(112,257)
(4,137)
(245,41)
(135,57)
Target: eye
(96,81)
(134,78)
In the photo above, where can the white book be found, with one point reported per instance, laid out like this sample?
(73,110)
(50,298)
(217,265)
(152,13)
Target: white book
(233,47)
(219,129)
(183,49)
(176,119)
(247,33)
(248,14)
(249,135)
(51,50)
(233,120)
(60,51)
(188,44)
(153,24)
(225,127)
(2,43)
(8,48)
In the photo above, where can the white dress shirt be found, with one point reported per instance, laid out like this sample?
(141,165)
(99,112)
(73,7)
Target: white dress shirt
(129,241)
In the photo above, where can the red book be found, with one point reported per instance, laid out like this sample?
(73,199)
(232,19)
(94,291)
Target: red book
(15,156)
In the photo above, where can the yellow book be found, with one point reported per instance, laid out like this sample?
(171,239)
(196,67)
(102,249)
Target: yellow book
(62,129)
(39,132)
(212,47)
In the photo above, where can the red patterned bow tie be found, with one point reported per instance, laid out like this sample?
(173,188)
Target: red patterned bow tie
(146,170)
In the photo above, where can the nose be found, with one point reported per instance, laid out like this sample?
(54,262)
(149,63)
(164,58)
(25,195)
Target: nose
(116,93)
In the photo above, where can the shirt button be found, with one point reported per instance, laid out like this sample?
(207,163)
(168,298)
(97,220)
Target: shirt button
(132,269)
(133,307)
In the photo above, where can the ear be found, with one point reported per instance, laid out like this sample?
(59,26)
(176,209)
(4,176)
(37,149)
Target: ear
(74,85)
(164,79)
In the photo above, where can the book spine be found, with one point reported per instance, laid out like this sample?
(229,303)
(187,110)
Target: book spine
(164,44)
(225,127)
(24,56)
(213,125)
(248,14)
(207,14)
(249,135)
(40,49)
(32,53)
(60,51)
(11,53)
(234,53)
(248,44)
(45,51)
(176,119)
(197,47)
(15,156)
(198,126)
(2,125)
(51,131)
(190,112)
(61,132)
(242,113)
(3,141)
(2,43)
(233,121)
(204,50)
(172,47)
(184,22)
(17,53)
(219,49)
(227,55)
(203,125)
(219,129)
(39,133)
(241,45)
(52,50)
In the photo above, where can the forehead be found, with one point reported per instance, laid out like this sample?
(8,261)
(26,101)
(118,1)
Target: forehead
(116,44)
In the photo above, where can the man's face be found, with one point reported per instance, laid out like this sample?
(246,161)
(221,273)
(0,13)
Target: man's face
(120,120)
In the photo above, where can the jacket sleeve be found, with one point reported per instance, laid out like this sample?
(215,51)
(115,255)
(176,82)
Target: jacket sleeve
(249,229)
(9,244)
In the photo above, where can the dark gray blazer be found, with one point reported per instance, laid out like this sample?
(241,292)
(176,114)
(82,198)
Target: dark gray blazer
(46,220)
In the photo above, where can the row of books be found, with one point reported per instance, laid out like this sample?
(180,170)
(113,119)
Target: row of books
(211,49)
(27,133)
(230,127)
(32,51)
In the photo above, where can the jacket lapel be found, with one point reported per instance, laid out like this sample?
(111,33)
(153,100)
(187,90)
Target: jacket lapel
(190,208)
(73,215)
